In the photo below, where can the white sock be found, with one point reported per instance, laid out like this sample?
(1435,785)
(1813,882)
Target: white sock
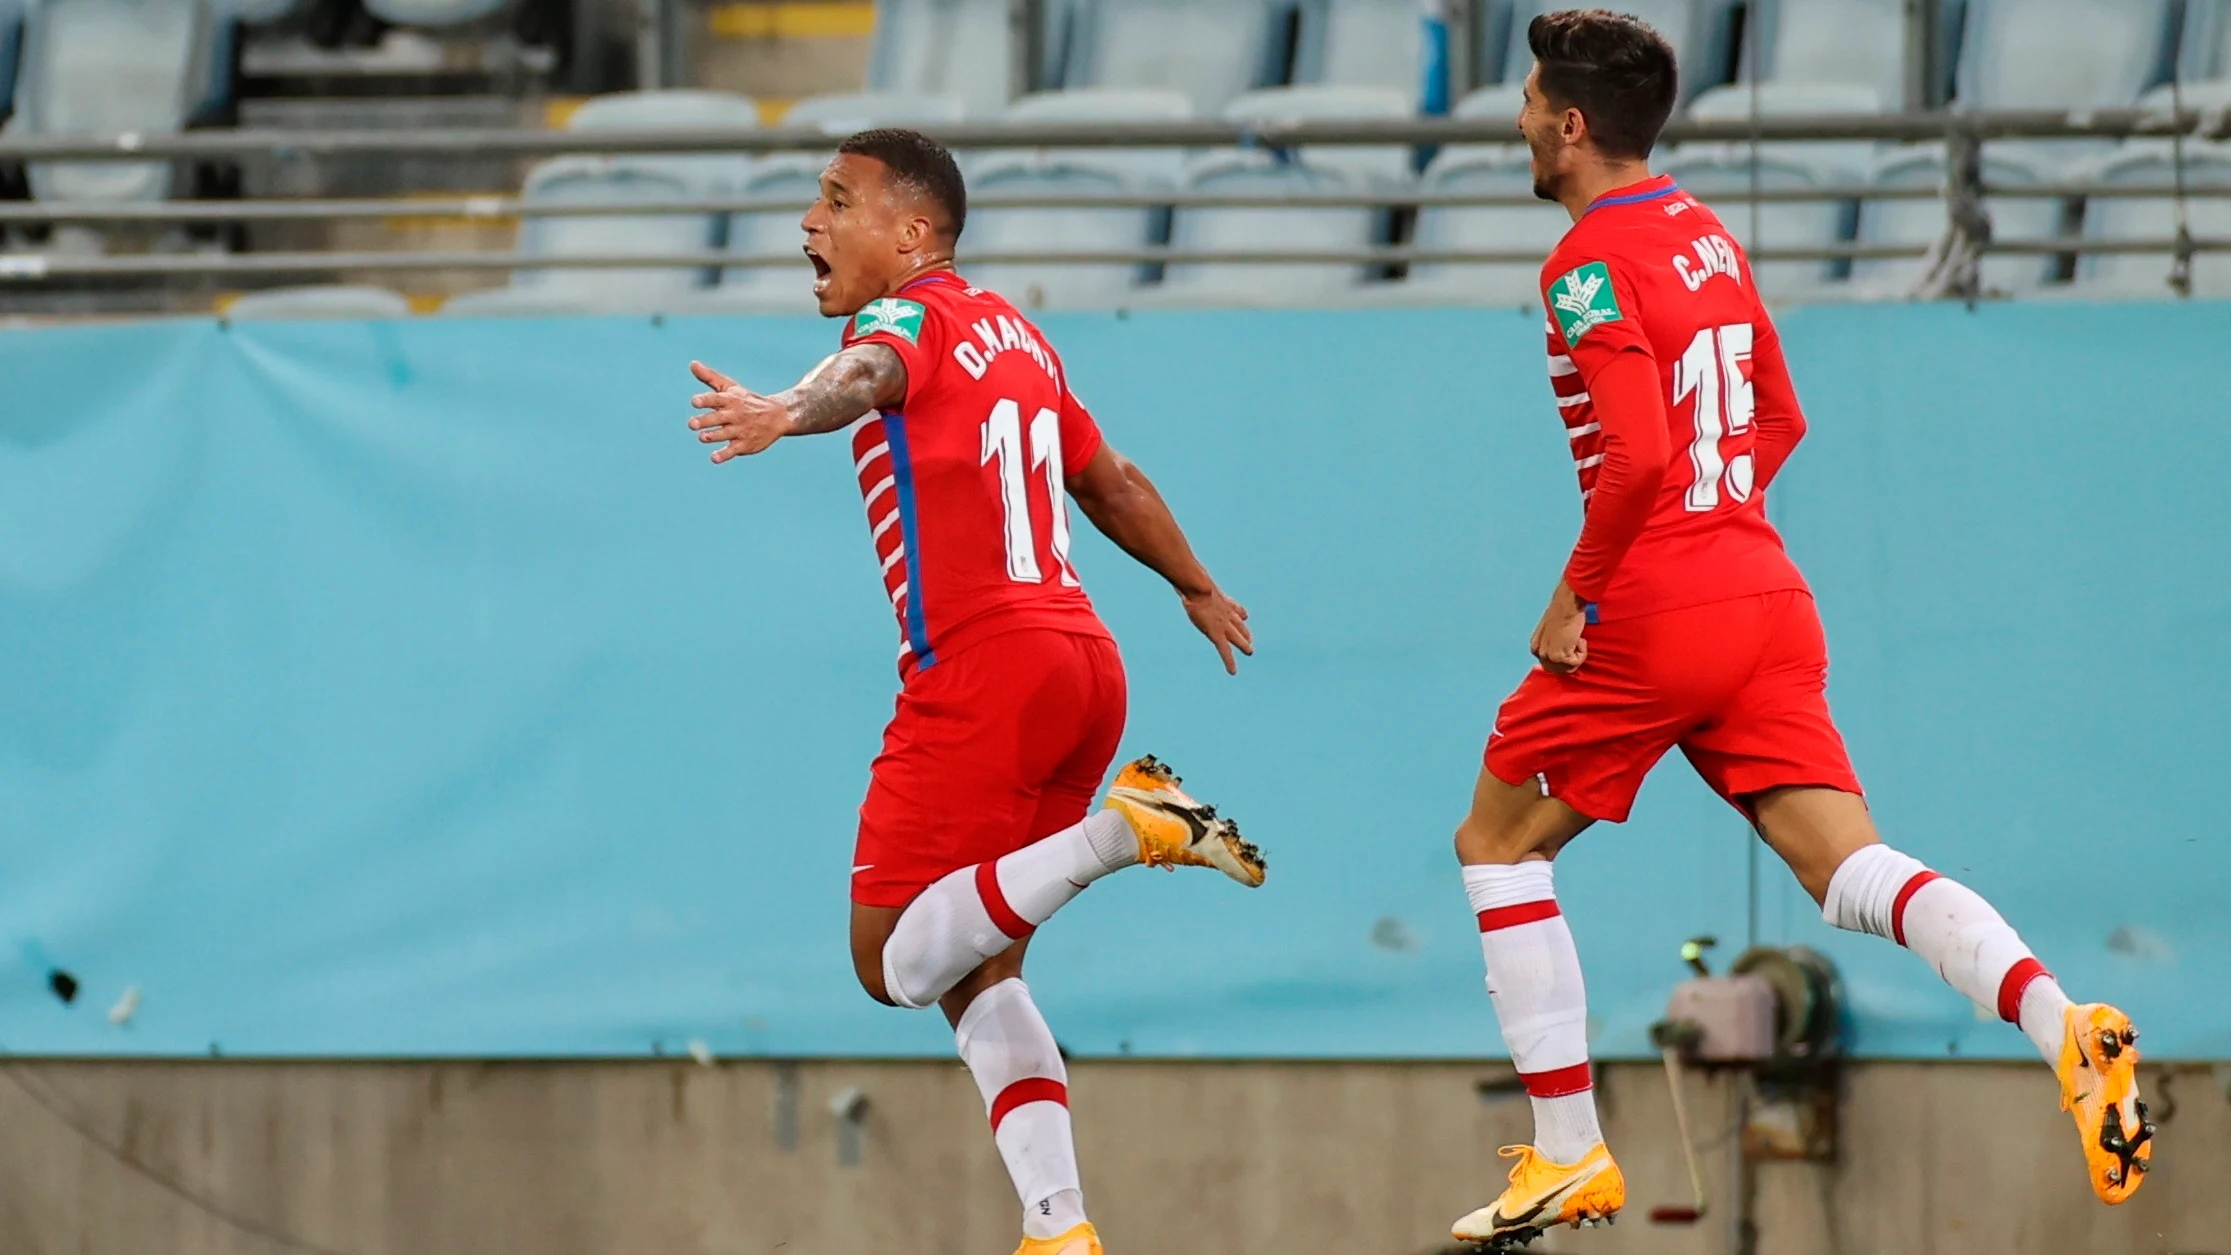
(1533,978)
(1018,1069)
(977,912)
(1878,890)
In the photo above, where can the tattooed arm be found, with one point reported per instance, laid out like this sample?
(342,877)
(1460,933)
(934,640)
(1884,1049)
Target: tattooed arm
(833,394)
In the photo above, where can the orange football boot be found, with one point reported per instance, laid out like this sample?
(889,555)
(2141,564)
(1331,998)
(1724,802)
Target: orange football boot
(1081,1240)
(2099,1086)
(1543,1195)
(1174,830)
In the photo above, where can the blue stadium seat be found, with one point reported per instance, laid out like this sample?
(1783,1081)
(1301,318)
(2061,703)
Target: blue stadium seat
(1489,170)
(2063,53)
(1072,170)
(318,301)
(107,66)
(1701,32)
(2150,164)
(433,14)
(1254,171)
(1923,223)
(1211,52)
(1860,42)
(1722,180)
(957,48)
(797,176)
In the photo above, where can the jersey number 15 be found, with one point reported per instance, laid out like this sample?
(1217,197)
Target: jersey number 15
(1003,440)
(1711,371)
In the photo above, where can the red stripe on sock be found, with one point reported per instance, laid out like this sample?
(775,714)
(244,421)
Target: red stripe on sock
(2018,978)
(1028,1090)
(1558,1082)
(1513,916)
(1905,895)
(995,903)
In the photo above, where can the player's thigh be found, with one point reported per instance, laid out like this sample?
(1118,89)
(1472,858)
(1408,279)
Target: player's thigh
(1509,823)
(1588,739)
(1773,730)
(950,787)
(871,931)
(1090,728)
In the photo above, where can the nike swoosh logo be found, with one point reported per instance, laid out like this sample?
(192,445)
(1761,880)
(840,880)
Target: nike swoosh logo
(1497,1220)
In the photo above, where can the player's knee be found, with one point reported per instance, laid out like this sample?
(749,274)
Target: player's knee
(1478,843)
(870,971)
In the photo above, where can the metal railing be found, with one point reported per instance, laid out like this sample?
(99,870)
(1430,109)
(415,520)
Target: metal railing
(1955,257)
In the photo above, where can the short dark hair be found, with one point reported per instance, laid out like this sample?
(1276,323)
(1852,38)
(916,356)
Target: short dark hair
(1613,68)
(921,163)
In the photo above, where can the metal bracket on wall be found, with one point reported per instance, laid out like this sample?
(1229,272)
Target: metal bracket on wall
(850,1107)
(783,1107)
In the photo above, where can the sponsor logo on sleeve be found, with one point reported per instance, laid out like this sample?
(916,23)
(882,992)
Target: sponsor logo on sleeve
(900,318)
(1583,300)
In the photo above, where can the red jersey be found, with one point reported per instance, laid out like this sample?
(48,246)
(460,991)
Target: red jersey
(964,483)
(1649,282)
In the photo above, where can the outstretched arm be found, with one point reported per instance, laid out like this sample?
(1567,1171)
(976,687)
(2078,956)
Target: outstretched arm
(1122,503)
(829,398)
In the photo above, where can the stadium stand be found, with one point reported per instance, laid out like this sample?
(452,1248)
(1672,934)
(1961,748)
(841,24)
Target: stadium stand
(1074,170)
(963,49)
(1701,32)
(2151,164)
(318,301)
(432,14)
(1920,223)
(1827,42)
(2204,52)
(1277,230)
(2064,53)
(11,44)
(1210,52)
(1723,177)
(107,66)
(1361,43)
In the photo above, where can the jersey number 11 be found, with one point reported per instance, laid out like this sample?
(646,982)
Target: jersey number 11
(1003,439)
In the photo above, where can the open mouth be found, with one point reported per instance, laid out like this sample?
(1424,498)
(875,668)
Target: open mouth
(820,270)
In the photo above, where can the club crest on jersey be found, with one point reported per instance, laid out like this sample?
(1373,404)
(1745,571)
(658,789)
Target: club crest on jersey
(900,318)
(1583,300)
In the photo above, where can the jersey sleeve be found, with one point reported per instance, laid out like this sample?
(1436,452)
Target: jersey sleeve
(1781,424)
(915,331)
(1592,303)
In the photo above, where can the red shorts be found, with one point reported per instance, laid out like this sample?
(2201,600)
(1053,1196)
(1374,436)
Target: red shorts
(1739,685)
(990,749)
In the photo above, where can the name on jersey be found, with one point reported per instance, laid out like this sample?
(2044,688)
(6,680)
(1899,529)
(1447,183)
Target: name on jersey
(1715,255)
(1001,334)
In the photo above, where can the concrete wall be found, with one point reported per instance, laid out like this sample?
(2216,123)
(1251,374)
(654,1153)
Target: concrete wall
(1179,1158)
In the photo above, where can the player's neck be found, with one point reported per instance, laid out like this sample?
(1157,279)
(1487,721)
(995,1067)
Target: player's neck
(929,266)
(1590,182)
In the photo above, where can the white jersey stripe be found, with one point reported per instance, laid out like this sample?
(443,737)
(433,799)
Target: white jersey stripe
(885,486)
(1585,429)
(1591,460)
(888,522)
(870,456)
(1561,366)
(898,594)
(898,554)
(1578,398)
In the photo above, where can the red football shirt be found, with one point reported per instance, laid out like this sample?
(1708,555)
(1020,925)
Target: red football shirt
(1650,271)
(964,483)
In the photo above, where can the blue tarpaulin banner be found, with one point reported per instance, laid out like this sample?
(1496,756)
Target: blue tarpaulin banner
(418,688)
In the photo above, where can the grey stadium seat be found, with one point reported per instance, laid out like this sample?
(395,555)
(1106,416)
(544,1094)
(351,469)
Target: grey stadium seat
(2205,52)
(1072,170)
(1362,43)
(1211,52)
(106,66)
(797,176)
(1845,158)
(1923,222)
(648,179)
(1722,181)
(1861,42)
(956,48)
(2148,163)
(2063,53)
(1533,228)
(11,42)
(318,301)
(1329,168)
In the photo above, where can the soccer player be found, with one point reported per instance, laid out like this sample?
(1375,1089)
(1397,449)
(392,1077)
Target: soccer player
(1680,621)
(975,827)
